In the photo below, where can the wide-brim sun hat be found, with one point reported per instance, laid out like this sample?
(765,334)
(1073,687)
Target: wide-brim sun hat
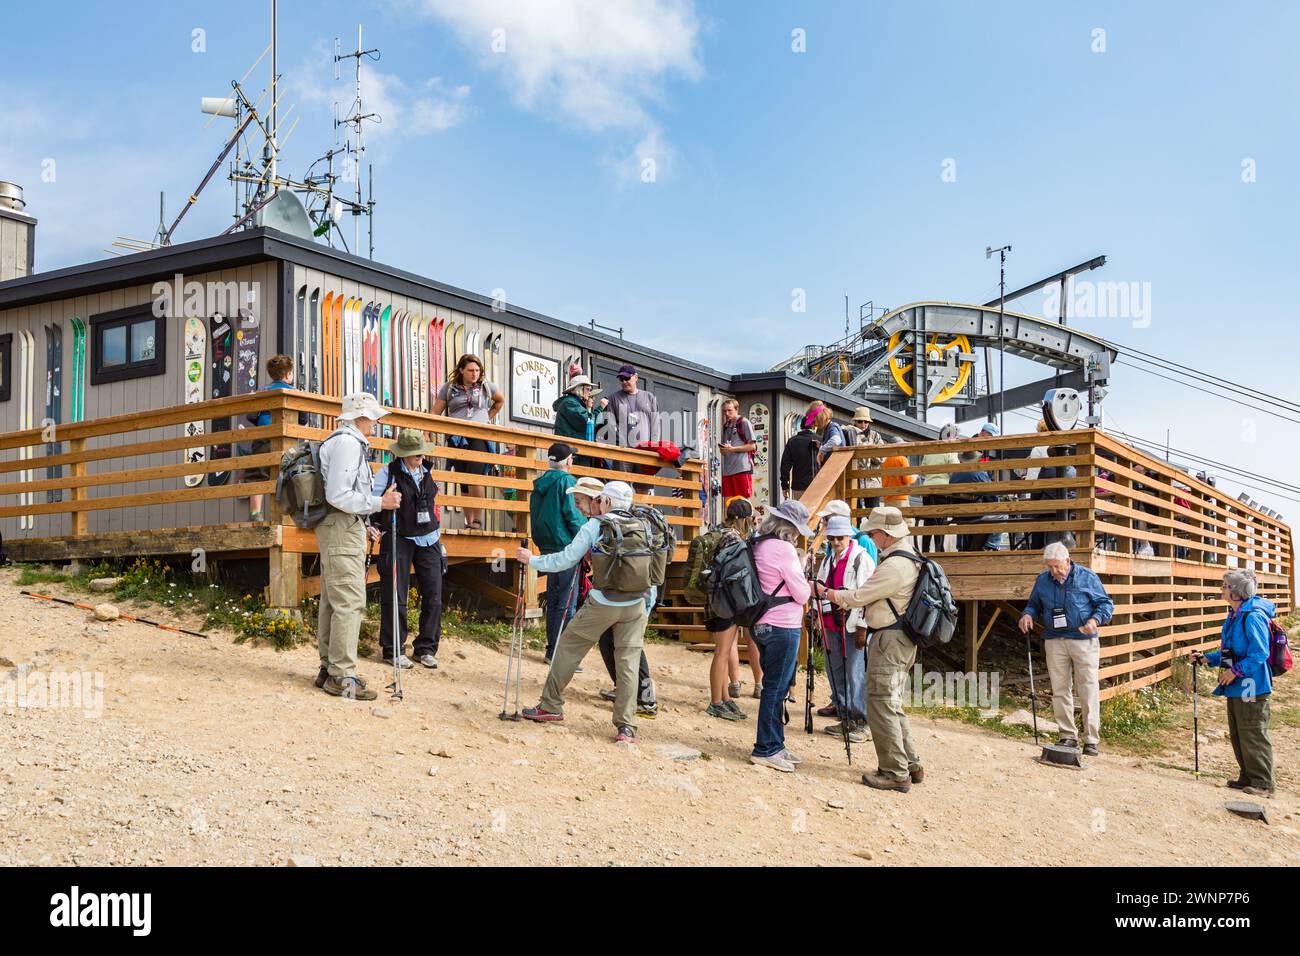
(795,513)
(411,442)
(577,382)
(840,527)
(888,520)
(862,414)
(586,485)
(835,506)
(361,405)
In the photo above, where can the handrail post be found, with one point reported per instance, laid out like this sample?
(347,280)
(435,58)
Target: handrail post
(80,519)
(284,568)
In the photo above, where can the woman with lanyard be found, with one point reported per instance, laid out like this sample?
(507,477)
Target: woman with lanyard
(471,399)
(417,546)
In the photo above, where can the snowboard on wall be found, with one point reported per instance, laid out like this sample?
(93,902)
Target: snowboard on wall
(326,343)
(54,400)
(248,340)
(196,361)
(422,362)
(496,361)
(760,420)
(354,380)
(313,352)
(435,357)
(386,357)
(335,359)
(300,339)
(221,375)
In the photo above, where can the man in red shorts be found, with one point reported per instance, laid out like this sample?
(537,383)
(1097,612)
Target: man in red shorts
(737,447)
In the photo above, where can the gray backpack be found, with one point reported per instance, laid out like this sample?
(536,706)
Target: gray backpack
(300,487)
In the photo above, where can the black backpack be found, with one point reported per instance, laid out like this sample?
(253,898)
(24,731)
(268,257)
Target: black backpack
(735,593)
(931,615)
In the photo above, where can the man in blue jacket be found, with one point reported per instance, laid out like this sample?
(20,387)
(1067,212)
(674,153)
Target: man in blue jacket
(1073,606)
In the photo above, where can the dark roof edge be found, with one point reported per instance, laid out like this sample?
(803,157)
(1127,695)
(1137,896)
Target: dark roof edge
(781,381)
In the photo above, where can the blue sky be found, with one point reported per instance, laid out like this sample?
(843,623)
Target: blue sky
(775,170)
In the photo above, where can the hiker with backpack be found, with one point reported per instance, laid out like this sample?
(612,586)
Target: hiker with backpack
(629,547)
(469,398)
(724,670)
(884,598)
(555,519)
(769,572)
(344,473)
(738,446)
(418,546)
(1252,651)
(1073,606)
(831,434)
(845,565)
(799,456)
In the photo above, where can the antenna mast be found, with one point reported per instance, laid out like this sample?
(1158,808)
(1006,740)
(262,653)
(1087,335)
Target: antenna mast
(355,148)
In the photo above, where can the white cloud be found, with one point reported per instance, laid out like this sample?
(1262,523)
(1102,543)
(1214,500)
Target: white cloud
(599,64)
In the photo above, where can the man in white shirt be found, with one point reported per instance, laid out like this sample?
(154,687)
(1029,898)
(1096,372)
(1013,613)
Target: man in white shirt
(341,539)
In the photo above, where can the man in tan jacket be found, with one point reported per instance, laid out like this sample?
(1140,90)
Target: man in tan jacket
(891,653)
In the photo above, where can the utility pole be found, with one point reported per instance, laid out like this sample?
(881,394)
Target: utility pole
(1002,312)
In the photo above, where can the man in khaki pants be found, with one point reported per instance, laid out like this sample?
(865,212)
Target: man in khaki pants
(891,653)
(341,538)
(623,612)
(1073,605)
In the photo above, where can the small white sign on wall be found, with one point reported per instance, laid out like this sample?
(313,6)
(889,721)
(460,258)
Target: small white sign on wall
(534,387)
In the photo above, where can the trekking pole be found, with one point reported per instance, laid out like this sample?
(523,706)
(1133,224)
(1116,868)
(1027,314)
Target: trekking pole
(842,618)
(515,662)
(395,689)
(1033,696)
(1196,719)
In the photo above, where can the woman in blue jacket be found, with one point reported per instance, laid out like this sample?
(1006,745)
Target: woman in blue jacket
(1245,681)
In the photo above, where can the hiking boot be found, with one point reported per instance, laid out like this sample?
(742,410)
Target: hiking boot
(733,689)
(349,688)
(778,761)
(856,734)
(791,756)
(827,711)
(1070,742)
(917,774)
(610,695)
(1239,784)
(626,735)
(428,660)
(880,781)
(732,706)
(540,715)
(1090,750)
(322,676)
(758,691)
(403,661)
(721,712)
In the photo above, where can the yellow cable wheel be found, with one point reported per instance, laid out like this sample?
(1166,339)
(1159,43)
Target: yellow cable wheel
(902,364)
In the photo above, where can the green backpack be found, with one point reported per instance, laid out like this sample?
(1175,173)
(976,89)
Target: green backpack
(699,560)
(631,555)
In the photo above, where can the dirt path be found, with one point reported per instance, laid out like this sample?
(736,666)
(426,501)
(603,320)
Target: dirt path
(209,752)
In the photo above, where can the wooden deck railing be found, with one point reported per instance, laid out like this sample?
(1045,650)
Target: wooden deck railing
(1159,538)
(107,462)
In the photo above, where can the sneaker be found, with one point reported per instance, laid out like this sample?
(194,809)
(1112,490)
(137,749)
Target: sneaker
(721,712)
(777,761)
(1090,750)
(403,662)
(856,734)
(790,755)
(626,735)
(648,711)
(538,714)
(611,694)
(428,660)
(879,781)
(733,689)
(828,711)
(735,709)
(758,691)
(349,688)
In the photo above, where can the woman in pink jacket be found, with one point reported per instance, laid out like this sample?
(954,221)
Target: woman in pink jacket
(776,635)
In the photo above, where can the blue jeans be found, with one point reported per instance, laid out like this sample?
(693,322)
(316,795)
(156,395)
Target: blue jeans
(778,652)
(559,587)
(857,676)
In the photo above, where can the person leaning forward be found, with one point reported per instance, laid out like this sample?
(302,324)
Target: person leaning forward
(341,539)
(891,654)
(624,612)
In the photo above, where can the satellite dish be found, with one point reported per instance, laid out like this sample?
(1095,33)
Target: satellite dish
(1061,408)
(285,213)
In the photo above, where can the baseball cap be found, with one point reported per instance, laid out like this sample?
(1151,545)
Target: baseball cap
(627,371)
(559,451)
